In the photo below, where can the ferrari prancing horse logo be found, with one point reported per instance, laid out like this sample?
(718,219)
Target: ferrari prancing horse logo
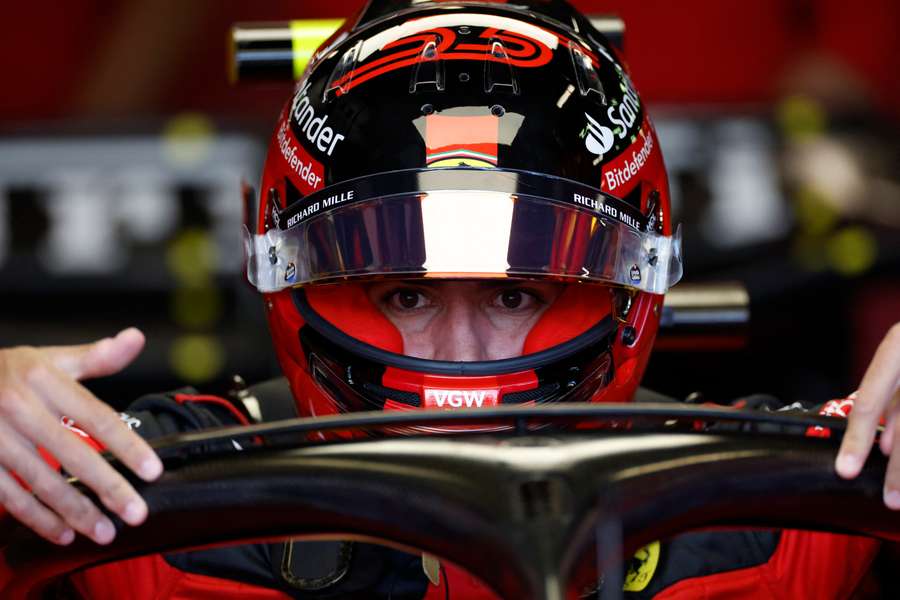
(641,568)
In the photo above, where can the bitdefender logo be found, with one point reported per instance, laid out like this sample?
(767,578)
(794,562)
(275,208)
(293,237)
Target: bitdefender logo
(599,138)
(460,398)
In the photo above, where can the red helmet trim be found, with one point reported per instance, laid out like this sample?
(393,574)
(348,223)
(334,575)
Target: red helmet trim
(600,331)
(348,307)
(576,310)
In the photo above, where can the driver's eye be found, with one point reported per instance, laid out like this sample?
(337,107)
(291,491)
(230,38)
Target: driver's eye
(511,299)
(515,299)
(408,299)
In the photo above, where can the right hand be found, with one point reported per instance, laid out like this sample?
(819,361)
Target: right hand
(37,387)
(878,398)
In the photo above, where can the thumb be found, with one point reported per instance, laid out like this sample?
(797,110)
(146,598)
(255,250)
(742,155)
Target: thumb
(100,358)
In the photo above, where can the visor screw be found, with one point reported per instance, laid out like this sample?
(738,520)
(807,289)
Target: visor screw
(273,255)
(427,109)
(464,30)
(497,110)
(573,373)
(464,77)
(694,398)
(629,336)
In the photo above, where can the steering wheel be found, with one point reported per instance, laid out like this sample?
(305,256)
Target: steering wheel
(544,501)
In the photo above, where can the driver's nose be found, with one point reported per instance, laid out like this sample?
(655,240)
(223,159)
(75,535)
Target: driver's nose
(459,338)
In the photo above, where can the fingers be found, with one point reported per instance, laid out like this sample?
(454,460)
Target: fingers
(101,422)
(892,479)
(861,426)
(875,393)
(37,387)
(103,357)
(886,441)
(31,421)
(73,509)
(26,508)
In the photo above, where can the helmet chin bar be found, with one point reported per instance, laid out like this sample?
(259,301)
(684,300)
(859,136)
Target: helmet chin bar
(358,376)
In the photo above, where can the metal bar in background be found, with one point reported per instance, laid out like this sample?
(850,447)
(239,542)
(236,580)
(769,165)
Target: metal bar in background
(704,316)
(276,51)
(280,50)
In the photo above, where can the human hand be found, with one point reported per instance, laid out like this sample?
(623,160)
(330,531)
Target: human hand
(878,395)
(37,387)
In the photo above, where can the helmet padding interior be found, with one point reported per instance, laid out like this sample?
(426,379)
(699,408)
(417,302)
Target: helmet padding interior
(577,309)
(348,307)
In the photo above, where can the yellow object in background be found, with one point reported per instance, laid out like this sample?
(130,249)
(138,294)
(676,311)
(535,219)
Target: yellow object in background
(801,116)
(196,358)
(188,139)
(306,37)
(196,305)
(852,250)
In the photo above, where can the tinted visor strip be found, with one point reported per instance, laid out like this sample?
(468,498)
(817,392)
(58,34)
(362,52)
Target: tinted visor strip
(381,185)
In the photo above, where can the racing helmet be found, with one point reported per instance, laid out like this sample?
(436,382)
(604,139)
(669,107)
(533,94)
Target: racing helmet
(462,140)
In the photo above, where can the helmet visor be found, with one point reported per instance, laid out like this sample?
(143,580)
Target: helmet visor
(462,223)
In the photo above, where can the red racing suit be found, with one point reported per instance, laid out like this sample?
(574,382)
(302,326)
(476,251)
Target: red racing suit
(748,565)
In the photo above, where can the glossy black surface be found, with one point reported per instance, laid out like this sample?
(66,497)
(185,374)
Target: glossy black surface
(517,81)
(535,503)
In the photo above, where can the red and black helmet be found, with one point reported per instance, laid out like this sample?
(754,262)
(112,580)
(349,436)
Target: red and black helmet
(463,140)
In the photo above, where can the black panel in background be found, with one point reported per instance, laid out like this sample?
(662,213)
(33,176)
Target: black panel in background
(193,207)
(801,327)
(28,219)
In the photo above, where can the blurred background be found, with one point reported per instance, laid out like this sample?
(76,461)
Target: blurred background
(122,147)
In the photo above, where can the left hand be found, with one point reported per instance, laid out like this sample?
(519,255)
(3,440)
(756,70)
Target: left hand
(878,395)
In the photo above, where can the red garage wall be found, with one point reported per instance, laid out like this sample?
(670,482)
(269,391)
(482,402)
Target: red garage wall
(150,57)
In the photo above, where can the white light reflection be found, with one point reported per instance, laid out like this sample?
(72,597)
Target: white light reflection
(466,231)
(565,96)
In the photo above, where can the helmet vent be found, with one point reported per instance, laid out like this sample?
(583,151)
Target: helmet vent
(655,216)
(498,71)
(339,82)
(545,393)
(385,393)
(586,74)
(429,69)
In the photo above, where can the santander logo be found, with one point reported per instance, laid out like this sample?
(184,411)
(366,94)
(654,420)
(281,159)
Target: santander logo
(599,138)
(450,399)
